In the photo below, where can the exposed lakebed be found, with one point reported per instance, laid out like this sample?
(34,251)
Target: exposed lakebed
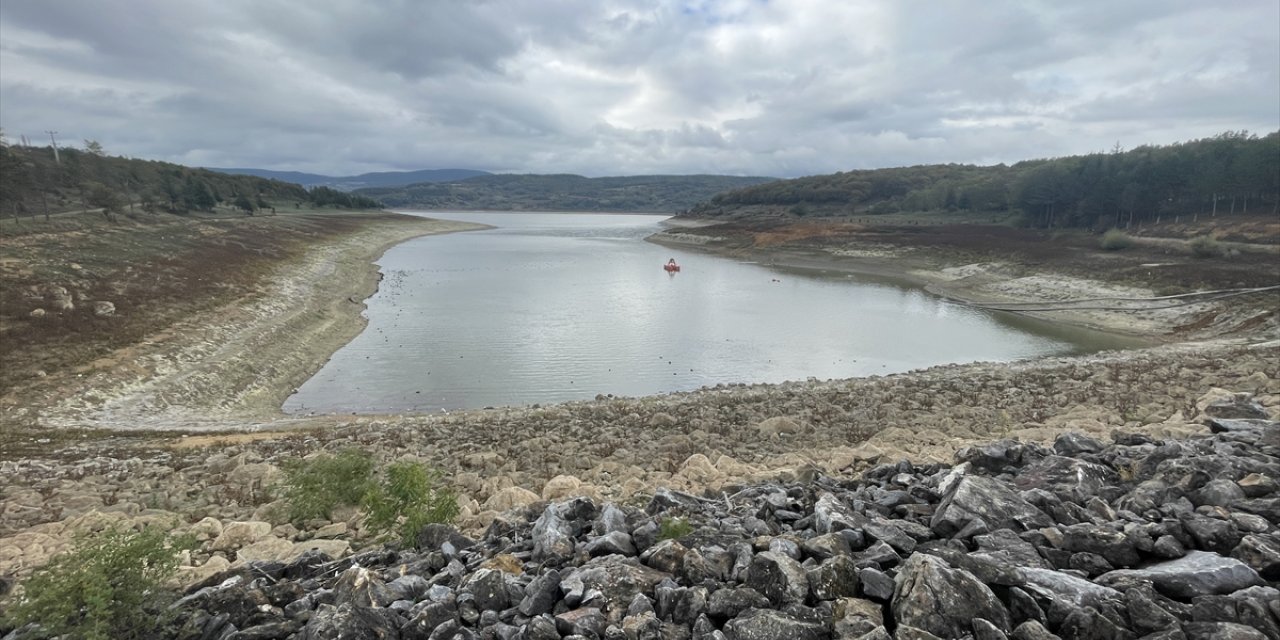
(550,307)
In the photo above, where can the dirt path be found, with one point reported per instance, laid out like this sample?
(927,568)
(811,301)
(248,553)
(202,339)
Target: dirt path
(233,368)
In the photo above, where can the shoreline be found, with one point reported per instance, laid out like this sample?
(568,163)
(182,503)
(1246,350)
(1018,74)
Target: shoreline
(254,353)
(233,367)
(214,458)
(970,284)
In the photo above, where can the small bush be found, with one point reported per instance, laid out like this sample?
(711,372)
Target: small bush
(314,488)
(409,497)
(673,528)
(109,586)
(1205,247)
(1116,240)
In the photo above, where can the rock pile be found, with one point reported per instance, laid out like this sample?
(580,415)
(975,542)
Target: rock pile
(1084,539)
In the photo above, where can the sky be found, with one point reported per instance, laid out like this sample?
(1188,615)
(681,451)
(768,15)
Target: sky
(614,87)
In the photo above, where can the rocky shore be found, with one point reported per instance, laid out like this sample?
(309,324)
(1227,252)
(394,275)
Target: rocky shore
(743,464)
(1132,537)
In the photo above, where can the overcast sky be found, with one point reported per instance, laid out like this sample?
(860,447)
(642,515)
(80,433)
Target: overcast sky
(611,87)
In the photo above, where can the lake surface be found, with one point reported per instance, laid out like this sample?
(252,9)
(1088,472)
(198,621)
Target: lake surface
(552,307)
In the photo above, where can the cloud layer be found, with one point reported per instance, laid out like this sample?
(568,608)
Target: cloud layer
(612,87)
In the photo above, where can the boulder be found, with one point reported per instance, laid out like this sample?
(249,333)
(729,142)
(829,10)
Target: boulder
(1116,547)
(1197,573)
(1074,443)
(1077,592)
(238,534)
(1068,478)
(728,602)
(777,426)
(348,622)
(1261,553)
(767,624)
(830,514)
(778,577)
(541,594)
(270,548)
(613,581)
(488,587)
(611,543)
(559,487)
(979,498)
(1237,406)
(361,587)
(510,498)
(553,537)
(932,596)
(835,578)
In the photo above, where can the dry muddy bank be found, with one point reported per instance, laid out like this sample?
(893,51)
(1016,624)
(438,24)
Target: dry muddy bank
(232,367)
(1124,307)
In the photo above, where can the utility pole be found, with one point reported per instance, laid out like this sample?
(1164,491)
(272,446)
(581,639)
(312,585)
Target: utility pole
(55,145)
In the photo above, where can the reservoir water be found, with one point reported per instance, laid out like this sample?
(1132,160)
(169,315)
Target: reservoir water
(550,307)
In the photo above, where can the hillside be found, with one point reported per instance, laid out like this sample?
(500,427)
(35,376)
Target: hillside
(563,192)
(1230,173)
(35,182)
(364,180)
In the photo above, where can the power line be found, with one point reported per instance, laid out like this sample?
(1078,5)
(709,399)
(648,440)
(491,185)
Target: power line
(55,145)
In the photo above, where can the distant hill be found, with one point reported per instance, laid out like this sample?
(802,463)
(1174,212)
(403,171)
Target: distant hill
(563,192)
(35,182)
(1234,171)
(364,180)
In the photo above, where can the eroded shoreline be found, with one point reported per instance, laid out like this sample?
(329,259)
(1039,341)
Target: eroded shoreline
(611,448)
(233,367)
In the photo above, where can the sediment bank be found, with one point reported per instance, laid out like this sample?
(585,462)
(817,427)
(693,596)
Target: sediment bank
(233,366)
(978,278)
(223,374)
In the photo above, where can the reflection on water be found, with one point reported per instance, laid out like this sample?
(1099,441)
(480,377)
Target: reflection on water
(553,307)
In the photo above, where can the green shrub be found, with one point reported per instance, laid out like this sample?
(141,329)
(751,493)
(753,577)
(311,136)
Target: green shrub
(314,488)
(109,586)
(1116,240)
(673,528)
(409,497)
(1205,247)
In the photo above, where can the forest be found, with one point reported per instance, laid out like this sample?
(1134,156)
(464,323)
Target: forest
(563,192)
(36,181)
(1229,173)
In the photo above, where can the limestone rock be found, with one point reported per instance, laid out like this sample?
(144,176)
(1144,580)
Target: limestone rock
(979,498)
(934,597)
(778,425)
(561,486)
(767,624)
(510,498)
(239,534)
(1197,573)
(778,577)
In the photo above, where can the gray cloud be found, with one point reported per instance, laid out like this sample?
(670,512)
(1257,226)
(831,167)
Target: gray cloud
(608,87)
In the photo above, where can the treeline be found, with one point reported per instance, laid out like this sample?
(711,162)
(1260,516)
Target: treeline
(1231,172)
(562,192)
(34,182)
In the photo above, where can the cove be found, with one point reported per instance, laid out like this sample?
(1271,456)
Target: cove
(551,307)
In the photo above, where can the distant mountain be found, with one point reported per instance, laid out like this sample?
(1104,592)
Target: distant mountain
(563,192)
(364,180)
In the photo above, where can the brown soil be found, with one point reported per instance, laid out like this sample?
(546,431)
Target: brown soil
(216,319)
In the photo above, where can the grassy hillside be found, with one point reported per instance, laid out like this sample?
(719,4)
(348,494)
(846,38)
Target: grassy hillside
(564,192)
(1228,174)
(36,183)
(77,287)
